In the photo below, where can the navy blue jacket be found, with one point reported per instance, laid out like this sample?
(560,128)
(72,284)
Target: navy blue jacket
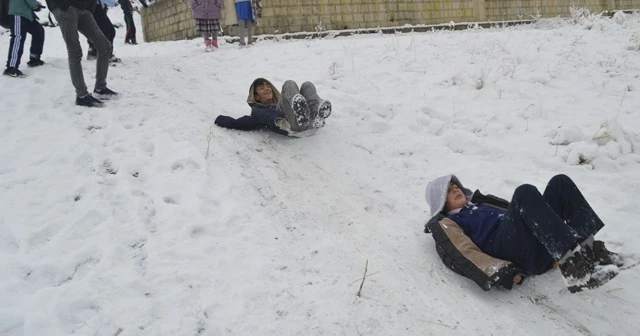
(261,116)
(480,222)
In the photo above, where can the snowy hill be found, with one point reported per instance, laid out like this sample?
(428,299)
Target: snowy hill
(144,218)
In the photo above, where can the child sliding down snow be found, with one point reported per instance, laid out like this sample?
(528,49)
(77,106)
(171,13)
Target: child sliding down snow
(293,112)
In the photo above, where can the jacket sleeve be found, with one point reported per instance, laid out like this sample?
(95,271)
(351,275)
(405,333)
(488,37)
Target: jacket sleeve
(246,123)
(495,201)
(461,255)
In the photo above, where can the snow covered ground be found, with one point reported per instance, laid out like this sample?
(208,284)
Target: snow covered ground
(144,218)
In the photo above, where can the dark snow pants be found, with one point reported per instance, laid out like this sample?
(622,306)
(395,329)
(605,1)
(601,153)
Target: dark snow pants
(105,25)
(538,229)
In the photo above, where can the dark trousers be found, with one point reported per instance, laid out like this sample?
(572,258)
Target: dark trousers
(19,29)
(538,229)
(105,25)
(130,36)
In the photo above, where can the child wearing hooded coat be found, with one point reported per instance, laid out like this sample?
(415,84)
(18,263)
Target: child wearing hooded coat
(207,15)
(248,12)
(534,231)
(294,111)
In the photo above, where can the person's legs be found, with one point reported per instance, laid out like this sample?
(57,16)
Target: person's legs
(567,201)
(531,235)
(294,106)
(68,22)
(131,29)
(308,90)
(214,38)
(88,27)
(319,108)
(241,24)
(249,32)
(37,39)
(16,44)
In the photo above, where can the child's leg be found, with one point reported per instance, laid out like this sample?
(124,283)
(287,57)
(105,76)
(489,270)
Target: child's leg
(241,24)
(249,32)
(566,200)
(294,106)
(214,36)
(16,44)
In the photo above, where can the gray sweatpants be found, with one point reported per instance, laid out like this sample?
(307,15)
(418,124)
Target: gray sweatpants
(285,103)
(241,26)
(75,20)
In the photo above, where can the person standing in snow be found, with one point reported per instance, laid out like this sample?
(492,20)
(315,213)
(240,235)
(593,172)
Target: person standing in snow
(23,20)
(127,10)
(293,111)
(103,21)
(207,15)
(536,232)
(248,11)
(73,17)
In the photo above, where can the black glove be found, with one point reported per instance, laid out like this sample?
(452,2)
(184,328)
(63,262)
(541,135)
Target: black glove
(507,280)
(224,121)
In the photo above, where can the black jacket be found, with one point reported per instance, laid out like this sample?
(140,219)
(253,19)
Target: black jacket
(461,255)
(89,5)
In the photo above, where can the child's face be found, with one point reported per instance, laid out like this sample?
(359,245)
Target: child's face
(264,93)
(455,198)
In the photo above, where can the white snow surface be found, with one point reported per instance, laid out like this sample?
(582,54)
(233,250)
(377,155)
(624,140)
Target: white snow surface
(144,218)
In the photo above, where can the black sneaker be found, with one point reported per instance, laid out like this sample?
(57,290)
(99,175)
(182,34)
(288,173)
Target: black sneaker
(105,93)
(580,273)
(89,101)
(301,111)
(92,54)
(13,72)
(35,62)
(114,59)
(600,255)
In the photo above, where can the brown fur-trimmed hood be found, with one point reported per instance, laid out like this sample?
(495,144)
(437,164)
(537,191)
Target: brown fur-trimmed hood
(251,99)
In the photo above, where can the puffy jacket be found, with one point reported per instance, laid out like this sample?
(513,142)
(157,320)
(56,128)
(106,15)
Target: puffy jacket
(206,9)
(456,249)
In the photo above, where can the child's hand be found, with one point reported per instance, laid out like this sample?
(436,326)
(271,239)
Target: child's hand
(517,279)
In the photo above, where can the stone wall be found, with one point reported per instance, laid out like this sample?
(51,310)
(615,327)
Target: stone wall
(168,20)
(171,19)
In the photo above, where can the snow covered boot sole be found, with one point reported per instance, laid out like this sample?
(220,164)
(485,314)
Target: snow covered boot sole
(324,111)
(300,110)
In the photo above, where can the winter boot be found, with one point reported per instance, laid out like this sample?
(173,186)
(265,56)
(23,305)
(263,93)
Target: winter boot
(600,255)
(215,43)
(207,44)
(301,111)
(579,273)
(324,111)
(114,59)
(92,54)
